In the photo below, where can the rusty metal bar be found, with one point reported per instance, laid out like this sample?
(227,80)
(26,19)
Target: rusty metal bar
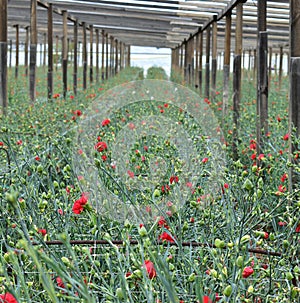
(135,242)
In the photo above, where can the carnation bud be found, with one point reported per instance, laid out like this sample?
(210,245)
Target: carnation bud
(120,293)
(227,291)
(239,261)
(66,261)
(289,276)
(248,185)
(219,243)
(250,289)
(143,231)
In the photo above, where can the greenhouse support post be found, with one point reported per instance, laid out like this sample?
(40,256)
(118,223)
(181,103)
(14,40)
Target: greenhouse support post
(214,58)
(75,63)
(50,53)
(280,66)
(3,56)
(91,53)
(17,51)
(33,50)
(65,53)
(97,54)
(262,78)
(207,65)
(200,75)
(26,50)
(102,54)
(84,56)
(106,56)
(237,78)
(226,67)
(294,99)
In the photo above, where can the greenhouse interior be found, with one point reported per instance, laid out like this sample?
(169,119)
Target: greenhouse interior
(150,151)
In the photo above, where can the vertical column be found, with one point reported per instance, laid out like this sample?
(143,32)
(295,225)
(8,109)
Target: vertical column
(75,68)
(17,51)
(97,55)
(188,60)
(26,50)
(186,56)
(70,49)
(111,63)
(262,78)
(10,52)
(172,60)
(254,62)
(50,52)
(102,56)
(280,66)
(276,61)
(270,64)
(294,102)
(121,56)
(3,56)
(207,67)
(106,57)
(192,62)
(116,57)
(80,51)
(177,58)
(249,60)
(237,77)
(128,56)
(33,50)
(45,49)
(65,53)
(41,54)
(214,57)
(197,61)
(181,57)
(191,69)
(91,53)
(84,56)
(56,52)
(226,68)
(200,61)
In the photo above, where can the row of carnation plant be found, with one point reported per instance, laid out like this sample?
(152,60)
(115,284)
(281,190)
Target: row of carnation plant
(235,238)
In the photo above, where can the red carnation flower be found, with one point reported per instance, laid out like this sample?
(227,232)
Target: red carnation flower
(78,112)
(149,266)
(77,208)
(100,146)
(105,122)
(163,223)
(204,160)
(281,223)
(166,237)
(78,205)
(286,137)
(297,230)
(248,271)
(42,231)
(206,299)
(174,179)
(8,298)
(60,282)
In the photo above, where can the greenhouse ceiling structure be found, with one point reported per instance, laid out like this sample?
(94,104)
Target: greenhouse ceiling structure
(159,23)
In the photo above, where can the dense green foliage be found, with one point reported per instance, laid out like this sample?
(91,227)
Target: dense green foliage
(241,208)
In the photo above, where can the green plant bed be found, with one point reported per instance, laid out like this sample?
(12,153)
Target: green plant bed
(173,228)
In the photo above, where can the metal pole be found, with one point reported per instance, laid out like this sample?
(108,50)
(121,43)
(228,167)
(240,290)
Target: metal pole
(3,56)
